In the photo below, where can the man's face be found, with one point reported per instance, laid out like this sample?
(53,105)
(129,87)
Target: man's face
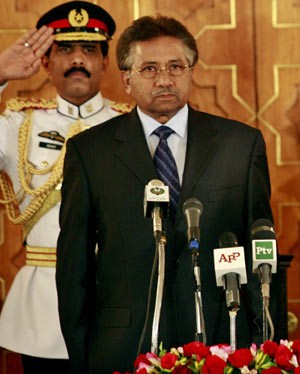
(76,69)
(162,96)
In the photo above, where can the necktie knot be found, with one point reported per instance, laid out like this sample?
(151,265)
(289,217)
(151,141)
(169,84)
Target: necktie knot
(163,132)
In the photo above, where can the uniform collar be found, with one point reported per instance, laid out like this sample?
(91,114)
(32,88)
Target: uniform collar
(85,110)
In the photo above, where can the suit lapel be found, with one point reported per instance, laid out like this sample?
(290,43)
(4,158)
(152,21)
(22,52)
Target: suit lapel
(133,149)
(200,150)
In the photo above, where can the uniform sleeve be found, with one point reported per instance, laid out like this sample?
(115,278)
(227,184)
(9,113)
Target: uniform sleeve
(75,273)
(4,134)
(9,127)
(259,192)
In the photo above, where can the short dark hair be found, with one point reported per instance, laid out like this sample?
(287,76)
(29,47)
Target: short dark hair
(147,28)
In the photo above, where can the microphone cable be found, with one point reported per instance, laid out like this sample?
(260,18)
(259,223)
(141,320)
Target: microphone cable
(154,268)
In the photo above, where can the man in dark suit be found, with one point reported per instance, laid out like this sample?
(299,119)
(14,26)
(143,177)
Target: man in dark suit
(103,297)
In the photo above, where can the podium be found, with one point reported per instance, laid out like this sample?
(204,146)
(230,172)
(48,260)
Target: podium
(283,264)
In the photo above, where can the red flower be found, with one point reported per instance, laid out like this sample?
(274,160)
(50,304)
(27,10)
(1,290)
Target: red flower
(181,370)
(283,356)
(214,365)
(269,348)
(296,349)
(272,370)
(296,346)
(142,358)
(297,370)
(241,357)
(196,348)
(168,360)
(141,371)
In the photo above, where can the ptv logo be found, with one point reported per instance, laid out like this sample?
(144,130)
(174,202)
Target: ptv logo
(264,249)
(229,258)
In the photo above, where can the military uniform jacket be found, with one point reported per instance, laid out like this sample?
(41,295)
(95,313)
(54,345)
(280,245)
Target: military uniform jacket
(29,322)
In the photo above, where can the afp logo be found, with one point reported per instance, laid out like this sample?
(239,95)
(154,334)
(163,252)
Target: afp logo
(229,258)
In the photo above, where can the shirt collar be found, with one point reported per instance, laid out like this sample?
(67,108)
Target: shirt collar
(87,109)
(178,123)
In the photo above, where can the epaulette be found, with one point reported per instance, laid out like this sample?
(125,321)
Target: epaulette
(17,104)
(121,107)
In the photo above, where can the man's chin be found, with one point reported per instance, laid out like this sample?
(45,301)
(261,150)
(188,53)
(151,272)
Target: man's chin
(167,107)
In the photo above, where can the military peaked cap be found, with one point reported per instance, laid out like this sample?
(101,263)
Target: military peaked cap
(79,20)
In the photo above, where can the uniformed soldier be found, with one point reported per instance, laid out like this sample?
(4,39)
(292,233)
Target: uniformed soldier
(33,135)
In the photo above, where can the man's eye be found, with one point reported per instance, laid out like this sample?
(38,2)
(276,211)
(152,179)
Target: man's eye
(175,67)
(90,50)
(149,68)
(64,49)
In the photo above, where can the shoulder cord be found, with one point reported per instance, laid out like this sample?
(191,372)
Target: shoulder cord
(26,170)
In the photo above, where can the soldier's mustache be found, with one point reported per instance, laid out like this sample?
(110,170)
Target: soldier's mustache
(75,69)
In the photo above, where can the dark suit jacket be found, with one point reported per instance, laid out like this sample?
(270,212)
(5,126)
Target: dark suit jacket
(103,298)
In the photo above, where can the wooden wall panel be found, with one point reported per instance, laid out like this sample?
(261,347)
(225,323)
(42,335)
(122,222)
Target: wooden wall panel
(249,70)
(278,81)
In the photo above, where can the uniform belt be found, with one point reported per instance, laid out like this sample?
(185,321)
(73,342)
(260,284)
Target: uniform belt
(40,256)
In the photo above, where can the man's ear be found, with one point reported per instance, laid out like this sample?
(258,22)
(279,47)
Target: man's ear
(105,63)
(125,77)
(45,63)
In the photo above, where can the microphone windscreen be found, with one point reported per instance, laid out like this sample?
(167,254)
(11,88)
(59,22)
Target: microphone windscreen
(263,229)
(228,239)
(193,203)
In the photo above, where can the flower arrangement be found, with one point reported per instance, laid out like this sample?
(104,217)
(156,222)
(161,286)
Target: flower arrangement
(195,357)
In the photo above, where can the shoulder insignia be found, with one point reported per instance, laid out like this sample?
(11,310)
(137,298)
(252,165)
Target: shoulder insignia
(17,104)
(121,107)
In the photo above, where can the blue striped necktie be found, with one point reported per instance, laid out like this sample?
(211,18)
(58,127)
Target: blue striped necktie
(166,166)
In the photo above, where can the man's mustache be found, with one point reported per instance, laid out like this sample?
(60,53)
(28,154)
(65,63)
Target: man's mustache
(79,69)
(163,90)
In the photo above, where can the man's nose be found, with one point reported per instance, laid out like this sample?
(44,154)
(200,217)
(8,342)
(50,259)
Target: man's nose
(78,57)
(163,78)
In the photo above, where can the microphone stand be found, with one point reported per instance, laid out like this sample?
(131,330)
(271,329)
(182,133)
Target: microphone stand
(265,279)
(160,240)
(200,334)
(232,319)
(232,285)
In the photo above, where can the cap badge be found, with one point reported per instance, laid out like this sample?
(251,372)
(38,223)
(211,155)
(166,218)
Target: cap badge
(78,18)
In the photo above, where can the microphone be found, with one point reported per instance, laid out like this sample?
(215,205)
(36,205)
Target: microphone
(264,251)
(230,269)
(193,208)
(156,203)
(264,262)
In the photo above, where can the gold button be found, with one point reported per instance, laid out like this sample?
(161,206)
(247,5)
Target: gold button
(44,164)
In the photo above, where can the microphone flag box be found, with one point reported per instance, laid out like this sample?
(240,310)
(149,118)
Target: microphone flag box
(264,251)
(230,260)
(156,195)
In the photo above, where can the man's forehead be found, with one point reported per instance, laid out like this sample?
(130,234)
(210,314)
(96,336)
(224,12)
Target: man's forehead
(145,52)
